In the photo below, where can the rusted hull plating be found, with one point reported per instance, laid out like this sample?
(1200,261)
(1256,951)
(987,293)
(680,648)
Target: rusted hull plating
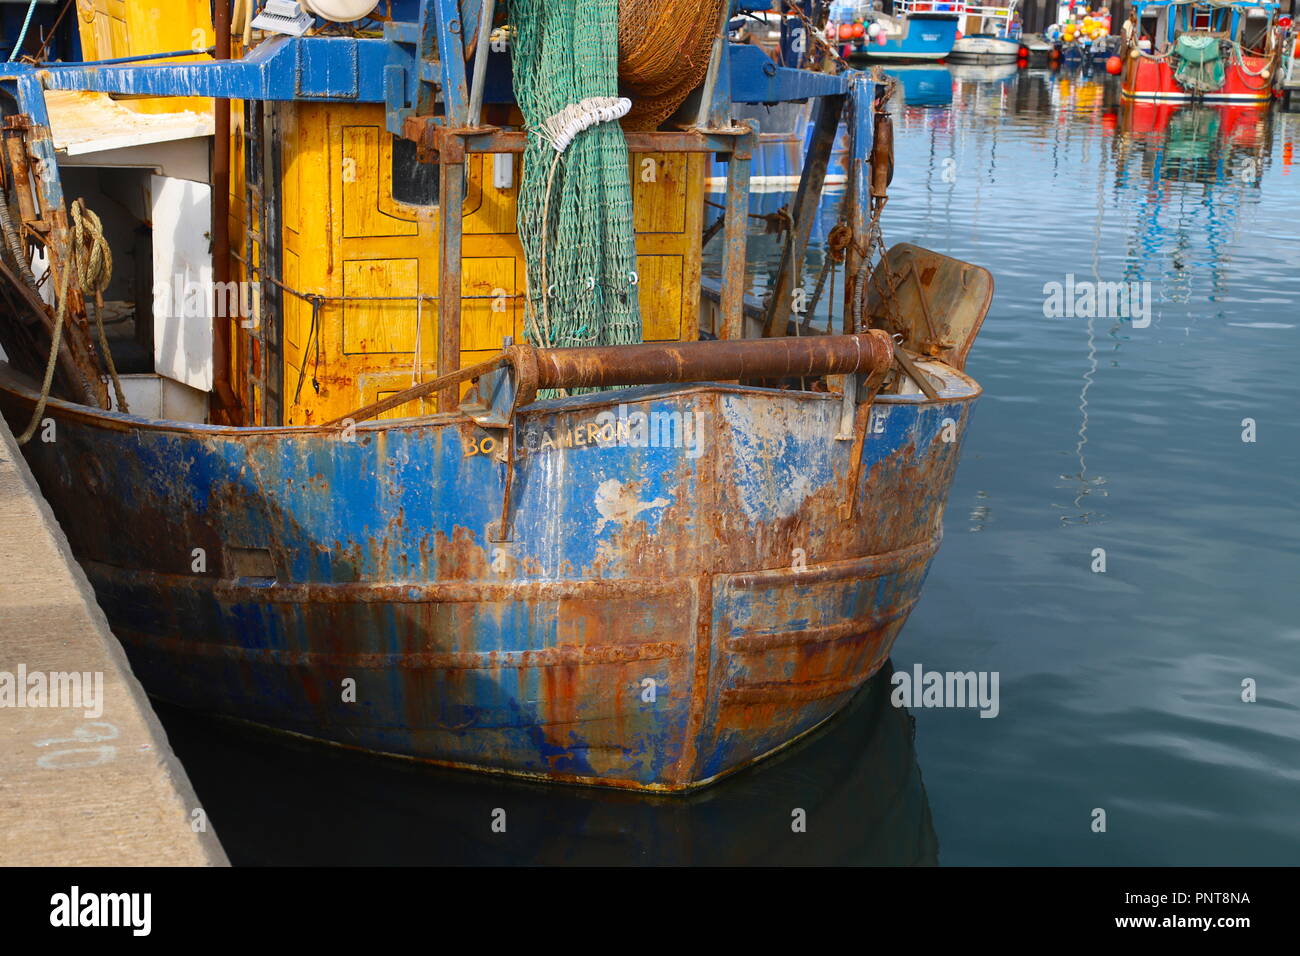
(660,615)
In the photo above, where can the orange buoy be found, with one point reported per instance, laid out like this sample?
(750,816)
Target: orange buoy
(1113,65)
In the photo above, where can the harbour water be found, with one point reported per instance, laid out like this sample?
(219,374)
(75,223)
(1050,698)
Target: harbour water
(1117,553)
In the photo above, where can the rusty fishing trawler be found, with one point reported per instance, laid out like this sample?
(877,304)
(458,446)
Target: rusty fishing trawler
(363,353)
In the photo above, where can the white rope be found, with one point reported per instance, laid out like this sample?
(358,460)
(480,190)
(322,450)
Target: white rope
(559,130)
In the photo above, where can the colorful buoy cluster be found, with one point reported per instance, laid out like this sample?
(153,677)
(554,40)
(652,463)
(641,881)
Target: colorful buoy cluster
(856,34)
(1088,28)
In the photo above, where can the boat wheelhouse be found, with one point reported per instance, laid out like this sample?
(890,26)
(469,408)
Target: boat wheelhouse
(1225,51)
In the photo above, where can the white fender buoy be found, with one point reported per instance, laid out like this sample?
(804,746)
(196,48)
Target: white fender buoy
(340,11)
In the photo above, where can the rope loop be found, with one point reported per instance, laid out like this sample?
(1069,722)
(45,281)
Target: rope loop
(92,257)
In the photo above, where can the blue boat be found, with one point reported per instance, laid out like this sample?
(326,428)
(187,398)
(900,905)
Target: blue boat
(631,565)
(914,30)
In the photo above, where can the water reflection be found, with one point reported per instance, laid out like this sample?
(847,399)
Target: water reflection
(1096,433)
(274,800)
(923,86)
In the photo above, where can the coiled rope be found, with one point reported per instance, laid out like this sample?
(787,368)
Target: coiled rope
(93,260)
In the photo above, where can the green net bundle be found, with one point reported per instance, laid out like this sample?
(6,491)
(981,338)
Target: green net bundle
(1200,67)
(575,203)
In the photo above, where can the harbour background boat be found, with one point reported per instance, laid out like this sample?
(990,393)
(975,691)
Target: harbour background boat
(1212,52)
(989,34)
(910,31)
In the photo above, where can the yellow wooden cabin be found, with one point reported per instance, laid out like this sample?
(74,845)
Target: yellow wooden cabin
(359,220)
(361,223)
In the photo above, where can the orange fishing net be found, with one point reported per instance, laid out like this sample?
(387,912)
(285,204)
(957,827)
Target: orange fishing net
(663,54)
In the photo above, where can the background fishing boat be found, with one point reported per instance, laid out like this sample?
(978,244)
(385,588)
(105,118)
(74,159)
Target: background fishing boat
(989,34)
(1039,51)
(1225,51)
(912,30)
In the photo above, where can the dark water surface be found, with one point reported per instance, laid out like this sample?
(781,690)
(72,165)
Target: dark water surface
(1120,691)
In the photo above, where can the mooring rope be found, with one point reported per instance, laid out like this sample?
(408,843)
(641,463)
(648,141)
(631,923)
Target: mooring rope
(93,259)
(55,338)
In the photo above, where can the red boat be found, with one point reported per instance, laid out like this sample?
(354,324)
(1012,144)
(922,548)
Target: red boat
(1221,51)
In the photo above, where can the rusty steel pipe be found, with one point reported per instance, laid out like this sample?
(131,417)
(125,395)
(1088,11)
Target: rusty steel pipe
(668,362)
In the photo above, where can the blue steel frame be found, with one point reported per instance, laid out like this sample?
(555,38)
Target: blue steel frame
(403,70)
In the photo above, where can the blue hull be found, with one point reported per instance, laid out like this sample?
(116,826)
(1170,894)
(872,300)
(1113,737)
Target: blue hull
(659,617)
(927,37)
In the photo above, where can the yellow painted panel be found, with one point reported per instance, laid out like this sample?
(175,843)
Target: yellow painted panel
(488,210)
(118,36)
(409,410)
(294,307)
(370,327)
(290,157)
(367,176)
(484,322)
(659,192)
(118,28)
(660,292)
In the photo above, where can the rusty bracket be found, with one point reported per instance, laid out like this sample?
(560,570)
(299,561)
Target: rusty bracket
(868,389)
(494,405)
(915,374)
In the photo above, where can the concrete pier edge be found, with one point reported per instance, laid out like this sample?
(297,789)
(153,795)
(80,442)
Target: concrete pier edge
(78,790)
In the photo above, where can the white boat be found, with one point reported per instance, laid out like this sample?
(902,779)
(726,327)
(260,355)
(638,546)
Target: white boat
(990,35)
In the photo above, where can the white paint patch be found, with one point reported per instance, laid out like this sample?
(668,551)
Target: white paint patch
(182,221)
(791,498)
(618,503)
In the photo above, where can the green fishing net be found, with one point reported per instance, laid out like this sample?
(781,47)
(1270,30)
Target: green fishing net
(1200,67)
(575,204)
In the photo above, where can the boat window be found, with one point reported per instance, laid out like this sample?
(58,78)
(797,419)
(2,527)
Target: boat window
(1253,34)
(1150,24)
(414,183)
